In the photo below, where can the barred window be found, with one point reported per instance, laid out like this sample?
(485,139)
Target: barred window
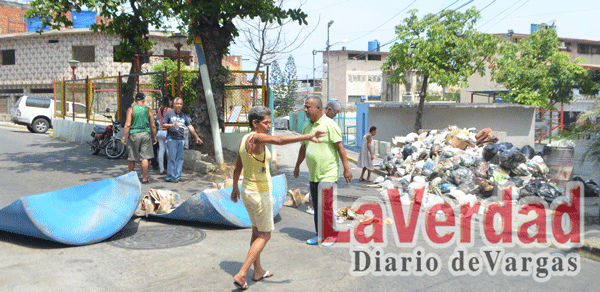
(84,54)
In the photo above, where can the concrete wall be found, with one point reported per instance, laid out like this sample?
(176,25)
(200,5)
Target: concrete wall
(517,122)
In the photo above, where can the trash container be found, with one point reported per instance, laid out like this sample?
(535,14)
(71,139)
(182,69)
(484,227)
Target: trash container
(560,164)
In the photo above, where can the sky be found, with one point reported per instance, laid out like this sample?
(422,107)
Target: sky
(362,21)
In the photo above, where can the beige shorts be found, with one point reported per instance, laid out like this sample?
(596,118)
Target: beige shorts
(139,146)
(260,209)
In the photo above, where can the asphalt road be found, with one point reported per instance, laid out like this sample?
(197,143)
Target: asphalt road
(32,164)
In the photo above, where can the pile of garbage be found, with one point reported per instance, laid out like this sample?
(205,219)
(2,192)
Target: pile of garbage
(465,166)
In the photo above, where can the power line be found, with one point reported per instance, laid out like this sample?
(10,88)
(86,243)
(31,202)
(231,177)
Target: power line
(459,7)
(448,6)
(499,14)
(506,16)
(384,22)
(487,5)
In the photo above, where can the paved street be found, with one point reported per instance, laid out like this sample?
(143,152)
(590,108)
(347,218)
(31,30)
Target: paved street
(161,255)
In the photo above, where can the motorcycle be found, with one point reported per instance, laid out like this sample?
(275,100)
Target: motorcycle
(106,138)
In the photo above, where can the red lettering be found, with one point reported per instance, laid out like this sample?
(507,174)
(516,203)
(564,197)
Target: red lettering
(505,214)
(405,232)
(539,221)
(377,235)
(327,219)
(431,223)
(466,212)
(573,210)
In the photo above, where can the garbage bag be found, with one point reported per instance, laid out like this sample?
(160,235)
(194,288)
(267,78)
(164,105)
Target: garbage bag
(408,150)
(489,151)
(467,160)
(503,146)
(511,158)
(591,188)
(462,175)
(485,187)
(544,190)
(521,170)
(481,170)
(435,150)
(446,187)
(500,175)
(528,151)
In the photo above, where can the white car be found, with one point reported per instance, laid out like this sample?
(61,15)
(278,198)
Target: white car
(37,112)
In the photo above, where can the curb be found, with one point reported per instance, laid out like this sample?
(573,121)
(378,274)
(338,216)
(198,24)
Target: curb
(375,169)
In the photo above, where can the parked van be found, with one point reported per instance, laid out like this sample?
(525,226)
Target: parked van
(37,112)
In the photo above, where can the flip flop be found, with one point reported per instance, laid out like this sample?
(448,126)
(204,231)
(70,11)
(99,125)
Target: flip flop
(145,181)
(266,275)
(240,286)
(361,179)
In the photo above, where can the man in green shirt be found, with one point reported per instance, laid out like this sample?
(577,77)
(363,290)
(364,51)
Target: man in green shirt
(139,134)
(321,158)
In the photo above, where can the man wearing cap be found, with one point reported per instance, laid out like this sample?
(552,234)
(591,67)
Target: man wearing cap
(139,134)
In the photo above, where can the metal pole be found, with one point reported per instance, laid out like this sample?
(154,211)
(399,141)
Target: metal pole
(178,69)
(314,52)
(73,105)
(327,100)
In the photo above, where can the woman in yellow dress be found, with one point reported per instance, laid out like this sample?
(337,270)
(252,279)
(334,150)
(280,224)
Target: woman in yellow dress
(253,158)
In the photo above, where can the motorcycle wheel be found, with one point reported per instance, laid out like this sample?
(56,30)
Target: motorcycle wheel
(114,149)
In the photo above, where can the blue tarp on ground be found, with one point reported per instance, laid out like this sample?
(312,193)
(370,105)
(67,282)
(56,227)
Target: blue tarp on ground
(78,215)
(216,206)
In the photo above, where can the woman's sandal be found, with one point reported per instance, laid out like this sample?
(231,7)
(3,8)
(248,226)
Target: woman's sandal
(240,286)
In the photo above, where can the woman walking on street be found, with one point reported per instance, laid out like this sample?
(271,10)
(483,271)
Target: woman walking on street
(161,136)
(254,158)
(365,158)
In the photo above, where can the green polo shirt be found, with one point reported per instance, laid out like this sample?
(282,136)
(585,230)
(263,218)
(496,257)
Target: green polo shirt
(322,158)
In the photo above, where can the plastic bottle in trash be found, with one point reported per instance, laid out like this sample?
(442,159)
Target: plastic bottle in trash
(176,200)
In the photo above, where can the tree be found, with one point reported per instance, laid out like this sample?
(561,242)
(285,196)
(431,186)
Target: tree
(132,27)
(285,84)
(277,85)
(188,92)
(536,73)
(210,22)
(443,48)
(267,41)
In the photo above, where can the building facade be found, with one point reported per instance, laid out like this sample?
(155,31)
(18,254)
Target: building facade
(30,62)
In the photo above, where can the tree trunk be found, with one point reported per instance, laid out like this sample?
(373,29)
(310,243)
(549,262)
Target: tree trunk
(215,41)
(422,95)
(127,90)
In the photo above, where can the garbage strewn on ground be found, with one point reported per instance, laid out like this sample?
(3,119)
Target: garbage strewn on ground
(465,166)
(159,202)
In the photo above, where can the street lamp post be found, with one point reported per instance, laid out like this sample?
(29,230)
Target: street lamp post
(328,69)
(314,52)
(178,40)
(73,64)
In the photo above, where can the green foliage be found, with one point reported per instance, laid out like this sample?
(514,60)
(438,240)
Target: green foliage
(188,93)
(443,48)
(538,74)
(284,87)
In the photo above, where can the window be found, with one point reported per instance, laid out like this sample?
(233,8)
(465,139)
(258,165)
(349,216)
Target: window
(53,41)
(38,102)
(374,78)
(42,90)
(595,50)
(583,49)
(8,57)
(374,57)
(354,98)
(84,54)
(174,54)
(356,56)
(374,97)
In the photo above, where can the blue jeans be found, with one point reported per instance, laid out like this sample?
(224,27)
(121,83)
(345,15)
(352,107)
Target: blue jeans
(175,149)
(161,136)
